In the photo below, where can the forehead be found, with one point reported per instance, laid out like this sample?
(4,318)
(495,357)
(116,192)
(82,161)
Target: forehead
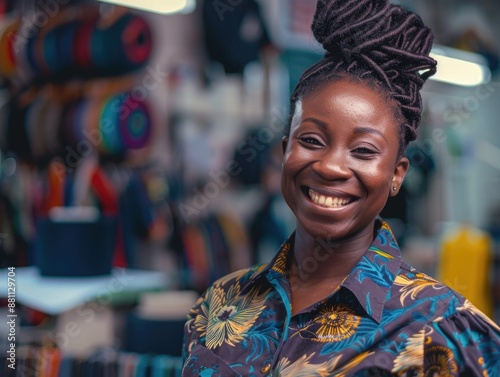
(348,102)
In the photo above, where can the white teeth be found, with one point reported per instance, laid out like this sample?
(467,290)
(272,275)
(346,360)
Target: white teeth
(327,201)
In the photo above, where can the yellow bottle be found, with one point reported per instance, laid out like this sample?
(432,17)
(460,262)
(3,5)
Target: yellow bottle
(466,263)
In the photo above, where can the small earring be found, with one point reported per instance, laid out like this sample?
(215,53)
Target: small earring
(393,188)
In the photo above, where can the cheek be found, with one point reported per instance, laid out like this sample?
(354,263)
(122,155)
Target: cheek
(291,167)
(297,157)
(285,176)
(294,161)
(376,177)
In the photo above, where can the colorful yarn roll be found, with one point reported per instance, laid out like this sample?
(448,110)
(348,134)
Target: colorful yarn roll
(50,55)
(110,126)
(125,124)
(136,127)
(31,55)
(82,44)
(137,40)
(122,47)
(66,37)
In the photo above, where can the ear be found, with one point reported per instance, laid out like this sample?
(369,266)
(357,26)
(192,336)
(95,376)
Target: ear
(399,175)
(284,143)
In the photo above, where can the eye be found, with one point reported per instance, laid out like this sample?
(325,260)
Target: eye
(365,151)
(310,140)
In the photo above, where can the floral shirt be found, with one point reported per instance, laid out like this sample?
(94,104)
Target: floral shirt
(385,319)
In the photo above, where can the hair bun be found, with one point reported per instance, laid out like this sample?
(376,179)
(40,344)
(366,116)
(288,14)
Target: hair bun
(343,24)
(380,31)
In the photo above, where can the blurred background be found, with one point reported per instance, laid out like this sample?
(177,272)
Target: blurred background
(140,160)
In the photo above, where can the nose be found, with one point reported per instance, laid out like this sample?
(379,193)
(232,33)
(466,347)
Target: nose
(333,166)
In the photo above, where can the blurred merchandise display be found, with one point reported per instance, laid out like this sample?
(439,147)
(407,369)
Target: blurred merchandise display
(72,115)
(209,248)
(49,361)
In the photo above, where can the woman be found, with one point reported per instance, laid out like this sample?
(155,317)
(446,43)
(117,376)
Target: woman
(337,299)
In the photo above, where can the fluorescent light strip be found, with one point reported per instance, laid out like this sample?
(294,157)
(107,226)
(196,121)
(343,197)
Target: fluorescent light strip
(157,6)
(459,67)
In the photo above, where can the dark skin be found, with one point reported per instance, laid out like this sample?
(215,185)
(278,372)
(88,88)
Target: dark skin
(340,165)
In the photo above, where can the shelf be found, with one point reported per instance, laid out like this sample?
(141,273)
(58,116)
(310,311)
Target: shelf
(56,295)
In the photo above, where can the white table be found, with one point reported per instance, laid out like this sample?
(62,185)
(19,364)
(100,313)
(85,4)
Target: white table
(56,295)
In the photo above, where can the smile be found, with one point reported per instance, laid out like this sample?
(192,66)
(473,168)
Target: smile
(329,201)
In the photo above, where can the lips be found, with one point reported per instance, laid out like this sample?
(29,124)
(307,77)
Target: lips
(329,201)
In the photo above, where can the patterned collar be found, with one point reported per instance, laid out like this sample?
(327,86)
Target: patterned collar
(371,278)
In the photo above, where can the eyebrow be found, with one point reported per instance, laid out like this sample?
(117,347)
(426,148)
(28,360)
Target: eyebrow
(368,130)
(317,122)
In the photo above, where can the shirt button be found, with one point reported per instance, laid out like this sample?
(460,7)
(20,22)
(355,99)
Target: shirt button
(266,368)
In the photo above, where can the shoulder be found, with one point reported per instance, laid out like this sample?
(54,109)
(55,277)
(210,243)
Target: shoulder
(413,288)
(424,297)
(416,285)
(236,280)
(225,289)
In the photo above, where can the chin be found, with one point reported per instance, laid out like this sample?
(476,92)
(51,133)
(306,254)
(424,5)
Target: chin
(323,231)
(335,231)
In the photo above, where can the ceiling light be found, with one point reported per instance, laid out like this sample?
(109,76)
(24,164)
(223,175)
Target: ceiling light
(460,67)
(157,6)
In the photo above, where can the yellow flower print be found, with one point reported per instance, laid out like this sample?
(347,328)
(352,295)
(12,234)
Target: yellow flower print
(439,361)
(230,315)
(412,287)
(201,318)
(282,259)
(411,359)
(302,367)
(336,323)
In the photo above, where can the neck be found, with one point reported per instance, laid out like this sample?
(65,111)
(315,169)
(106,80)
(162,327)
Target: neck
(317,259)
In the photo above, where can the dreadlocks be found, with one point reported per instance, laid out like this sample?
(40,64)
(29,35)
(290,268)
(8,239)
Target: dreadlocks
(376,42)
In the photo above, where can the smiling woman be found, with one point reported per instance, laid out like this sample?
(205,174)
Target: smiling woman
(340,165)
(337,299)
